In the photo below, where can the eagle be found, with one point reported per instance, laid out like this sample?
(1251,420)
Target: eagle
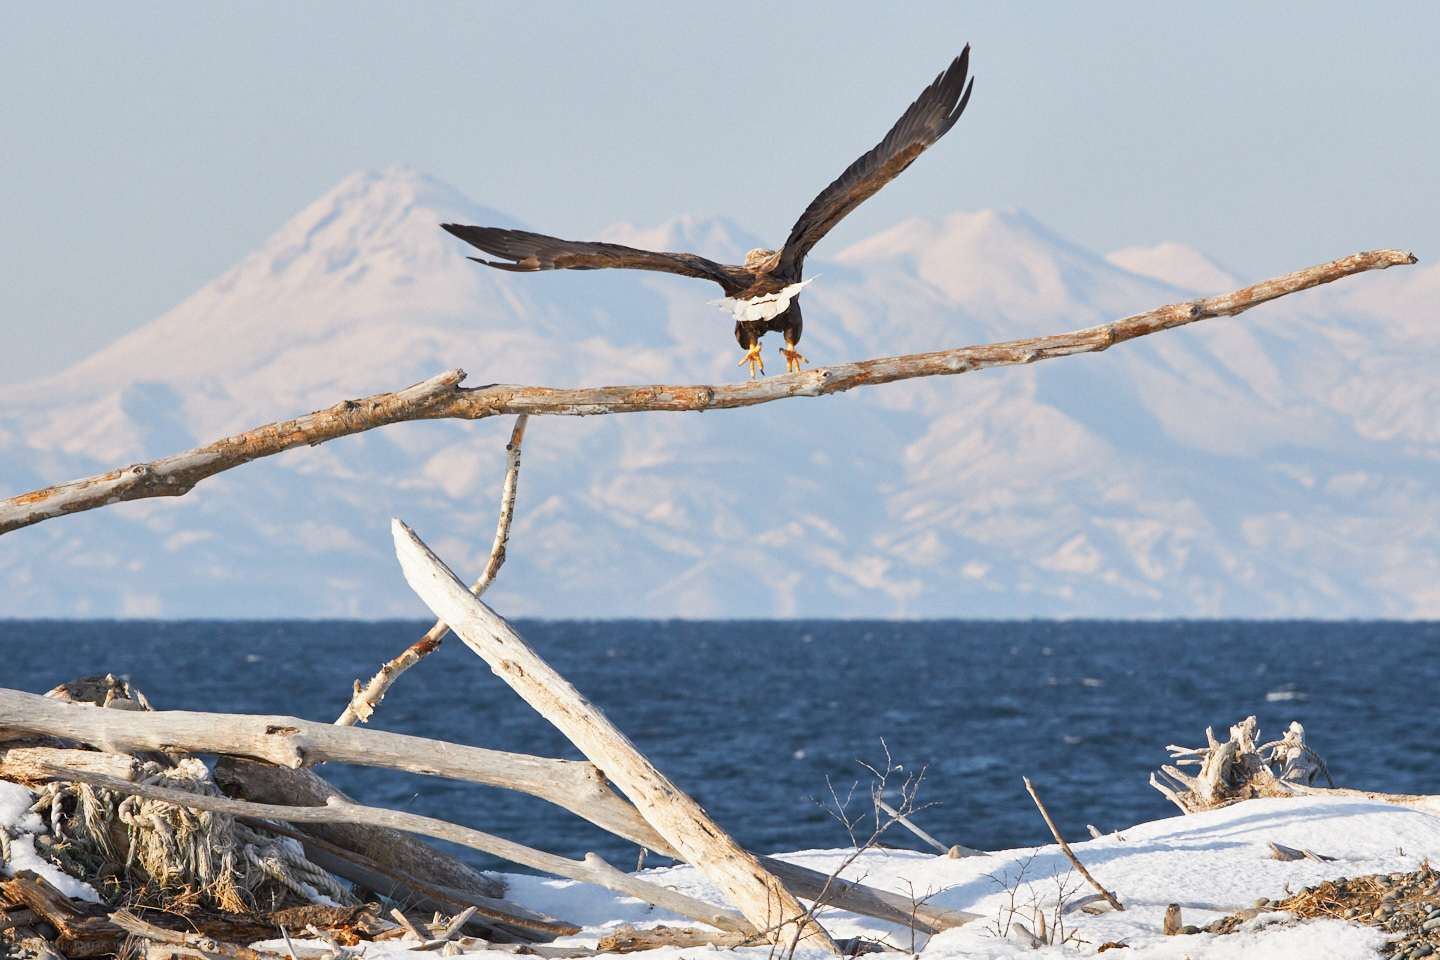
(764,294)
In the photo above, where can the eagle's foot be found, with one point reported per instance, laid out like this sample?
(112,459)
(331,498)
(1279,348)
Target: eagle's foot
(792,358)
(752,357)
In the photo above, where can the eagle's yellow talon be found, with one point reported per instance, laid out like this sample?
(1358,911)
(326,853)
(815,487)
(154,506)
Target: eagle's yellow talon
(792,358)
(752,357)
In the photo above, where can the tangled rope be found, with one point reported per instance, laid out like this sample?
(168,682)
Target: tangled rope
(183,850)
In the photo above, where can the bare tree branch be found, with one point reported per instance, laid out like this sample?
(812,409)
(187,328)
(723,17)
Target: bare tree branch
(440,397)
(363,703)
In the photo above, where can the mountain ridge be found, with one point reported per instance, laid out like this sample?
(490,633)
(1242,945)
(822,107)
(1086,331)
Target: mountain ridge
(1274,465)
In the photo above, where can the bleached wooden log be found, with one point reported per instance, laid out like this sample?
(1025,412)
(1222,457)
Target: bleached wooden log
(867,901)
(628,939)
(362,704)
(908,825)
(592,869)
(292,742)
(29,763)
(440,396)
(763,900)
(1430,803)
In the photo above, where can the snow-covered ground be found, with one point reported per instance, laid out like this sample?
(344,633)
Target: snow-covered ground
(1212,864)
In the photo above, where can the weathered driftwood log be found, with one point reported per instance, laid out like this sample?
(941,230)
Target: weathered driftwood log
(440,396)
(292,742)
(592,870)
(627,939)
(831,891)
(908,824)
(29,763)
(362,704)
(1238,770)
(762,898)
(82,928)
(1229,771)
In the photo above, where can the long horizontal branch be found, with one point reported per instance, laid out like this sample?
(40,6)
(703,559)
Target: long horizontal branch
(441,397)
(291,742)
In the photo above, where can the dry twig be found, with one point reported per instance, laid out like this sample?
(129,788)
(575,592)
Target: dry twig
(1066,848)
(440,396)
(363,703)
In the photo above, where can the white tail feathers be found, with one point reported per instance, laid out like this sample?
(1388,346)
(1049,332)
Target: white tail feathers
(766,307)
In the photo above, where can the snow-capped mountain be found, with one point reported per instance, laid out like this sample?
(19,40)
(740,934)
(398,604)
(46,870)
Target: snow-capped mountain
(1281,463)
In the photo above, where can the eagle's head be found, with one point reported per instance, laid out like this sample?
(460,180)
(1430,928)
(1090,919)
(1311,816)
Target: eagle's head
(760,261)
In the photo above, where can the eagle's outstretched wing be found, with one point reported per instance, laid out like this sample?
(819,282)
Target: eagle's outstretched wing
(932,114)
(527,252)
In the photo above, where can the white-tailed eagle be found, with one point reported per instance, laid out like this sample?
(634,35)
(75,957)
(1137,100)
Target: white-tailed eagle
(763,295)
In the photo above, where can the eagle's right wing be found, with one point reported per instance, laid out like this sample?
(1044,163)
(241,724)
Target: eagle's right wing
(926,120)
(528,252)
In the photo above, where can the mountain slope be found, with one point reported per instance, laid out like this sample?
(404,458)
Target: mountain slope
(1276,464)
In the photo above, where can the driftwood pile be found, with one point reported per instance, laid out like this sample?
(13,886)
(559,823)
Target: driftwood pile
(185,850)
(1239,769)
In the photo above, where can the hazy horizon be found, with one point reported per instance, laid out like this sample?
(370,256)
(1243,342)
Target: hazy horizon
(149,149)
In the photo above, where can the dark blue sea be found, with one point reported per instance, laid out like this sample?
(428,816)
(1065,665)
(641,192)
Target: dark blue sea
(758,720)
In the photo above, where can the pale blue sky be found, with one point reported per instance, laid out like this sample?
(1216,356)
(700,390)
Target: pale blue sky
(145,149)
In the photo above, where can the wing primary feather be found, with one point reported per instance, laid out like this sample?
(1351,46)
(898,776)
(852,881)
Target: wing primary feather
(513,267)
(521,251)
(925,121)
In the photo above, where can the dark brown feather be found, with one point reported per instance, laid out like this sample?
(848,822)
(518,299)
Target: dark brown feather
(928,119)
(527,252)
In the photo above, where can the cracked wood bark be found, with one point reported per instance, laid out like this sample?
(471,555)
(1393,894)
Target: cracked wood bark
(762,898)
(592,870)
(440,396)
(292,742)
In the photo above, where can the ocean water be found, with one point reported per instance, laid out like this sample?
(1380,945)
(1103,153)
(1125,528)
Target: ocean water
(766,722)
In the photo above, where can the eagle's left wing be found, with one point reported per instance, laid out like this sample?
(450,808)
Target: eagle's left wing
(522,251)
(928,119)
